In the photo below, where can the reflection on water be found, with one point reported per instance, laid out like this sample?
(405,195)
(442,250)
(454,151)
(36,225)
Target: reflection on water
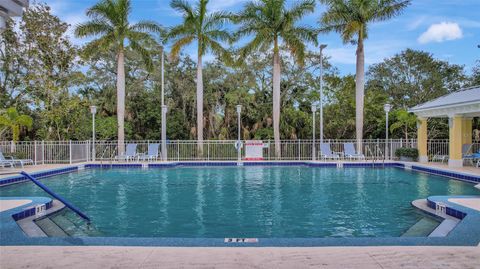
(248,201)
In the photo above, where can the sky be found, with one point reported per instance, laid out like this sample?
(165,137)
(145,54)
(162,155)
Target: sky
(449,29)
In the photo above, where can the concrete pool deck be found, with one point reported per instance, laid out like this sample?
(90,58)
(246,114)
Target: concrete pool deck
(167,257)
(473,203)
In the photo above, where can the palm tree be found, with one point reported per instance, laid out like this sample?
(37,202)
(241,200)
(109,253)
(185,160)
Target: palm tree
(207,29)
(271,22)
(14,121)
(109,23)
(350,18)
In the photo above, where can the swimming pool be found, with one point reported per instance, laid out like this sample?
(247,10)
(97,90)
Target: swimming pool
(250,201)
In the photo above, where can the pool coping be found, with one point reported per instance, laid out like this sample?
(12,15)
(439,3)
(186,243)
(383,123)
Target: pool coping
(468,233)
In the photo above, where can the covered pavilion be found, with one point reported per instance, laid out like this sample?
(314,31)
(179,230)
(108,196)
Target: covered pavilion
(460,108)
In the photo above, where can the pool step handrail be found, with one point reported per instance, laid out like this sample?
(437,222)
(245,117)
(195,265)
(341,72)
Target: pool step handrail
(56,196)
(381,154)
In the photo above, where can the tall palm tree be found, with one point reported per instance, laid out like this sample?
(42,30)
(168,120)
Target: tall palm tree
(351,18)
(207,29)
(109,23)
(270,22)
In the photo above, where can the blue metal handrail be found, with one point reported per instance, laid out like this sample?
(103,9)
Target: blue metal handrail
(56,196)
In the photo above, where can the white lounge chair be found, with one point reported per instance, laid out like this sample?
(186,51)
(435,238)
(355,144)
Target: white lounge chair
(466,154)
(326,152)
(130,153)
(152,154)
(12,161)
(351,153)
(439,157)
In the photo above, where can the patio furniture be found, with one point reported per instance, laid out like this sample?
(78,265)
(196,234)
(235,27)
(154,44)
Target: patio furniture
(351,153)
(12,161)
(326,152)
(465,153)
(152,153)
(440,157)
(130,153)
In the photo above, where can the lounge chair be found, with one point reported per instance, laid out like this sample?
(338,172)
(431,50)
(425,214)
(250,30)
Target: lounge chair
(130,153)
(440,157)
(4,162)
(12,161)
(326,152)
(152,154)
(466,154)
(351,153)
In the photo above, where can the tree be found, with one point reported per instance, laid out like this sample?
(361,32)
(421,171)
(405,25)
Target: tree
(351,18)
(110,22)
(475,79)
(404,121)
(412,77)
(271,22)
(207,29)
(13,121)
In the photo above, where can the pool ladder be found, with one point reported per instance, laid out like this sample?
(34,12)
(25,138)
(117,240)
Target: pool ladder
(377,156)
(111,157)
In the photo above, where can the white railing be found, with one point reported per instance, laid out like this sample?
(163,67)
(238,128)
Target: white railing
(48,152)
(51,152)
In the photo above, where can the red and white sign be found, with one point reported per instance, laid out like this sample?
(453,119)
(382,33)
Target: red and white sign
(254,150)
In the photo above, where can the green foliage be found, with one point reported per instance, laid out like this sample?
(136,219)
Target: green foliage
(407,152)
(413,77)
(269,21)
(351,18)
(106,128)
(13,121)
(207,29)
(110,24)
(405,121)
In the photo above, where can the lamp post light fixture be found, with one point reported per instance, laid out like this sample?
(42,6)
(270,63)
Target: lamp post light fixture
(93,110)
(239,145)
(164,109)
(322,46)
(314,110)
(387,107)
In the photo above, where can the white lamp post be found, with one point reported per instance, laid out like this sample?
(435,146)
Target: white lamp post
(93,110)
(314,110)
(239,148)
(322,46)
(164,112)
(387,107)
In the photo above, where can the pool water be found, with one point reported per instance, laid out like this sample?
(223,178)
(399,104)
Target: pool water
(258,201)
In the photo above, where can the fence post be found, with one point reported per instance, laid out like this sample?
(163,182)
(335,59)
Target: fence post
(43,152)
(35,151)
(87,150)
(70,150)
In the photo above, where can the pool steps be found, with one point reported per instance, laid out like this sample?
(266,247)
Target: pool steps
(28,225)
(424,227)
(446,226)
(47,190)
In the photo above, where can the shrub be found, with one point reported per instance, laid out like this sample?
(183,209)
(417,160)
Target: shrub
(407,152)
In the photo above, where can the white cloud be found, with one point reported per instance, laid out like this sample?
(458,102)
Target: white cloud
(441,32)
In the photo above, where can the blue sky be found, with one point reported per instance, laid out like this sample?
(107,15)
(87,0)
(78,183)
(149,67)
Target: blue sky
(449,29)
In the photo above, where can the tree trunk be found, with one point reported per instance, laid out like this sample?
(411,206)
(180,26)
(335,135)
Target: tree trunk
(121,101)
(359,93)
(276,99)
(199,105)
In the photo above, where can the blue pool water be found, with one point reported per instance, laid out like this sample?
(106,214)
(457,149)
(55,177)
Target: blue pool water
(265,202)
